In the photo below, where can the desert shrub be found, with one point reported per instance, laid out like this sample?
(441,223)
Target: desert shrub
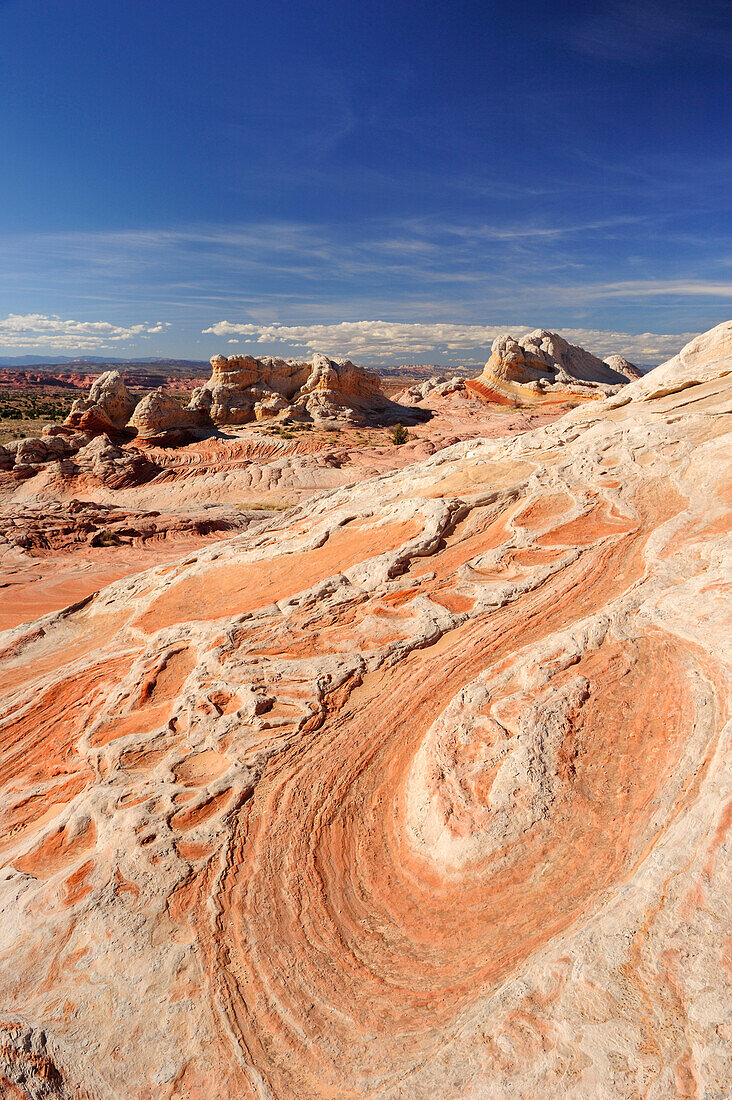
(399,435)
(105,537)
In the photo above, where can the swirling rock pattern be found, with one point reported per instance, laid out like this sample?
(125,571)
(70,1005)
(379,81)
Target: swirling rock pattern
(421,790)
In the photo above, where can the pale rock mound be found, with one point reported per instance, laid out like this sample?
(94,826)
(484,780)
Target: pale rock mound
(623,366)
(543,365)
(238,383)
(65,454)
(74,454)
(440,385)
(242,389)
(108,407)
(23,457)
(103,462)
(689,368)
(338,389)
(419,790)
(159,418)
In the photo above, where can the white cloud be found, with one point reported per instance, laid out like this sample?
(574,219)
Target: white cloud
(657,288)
(393,342)
(40,330)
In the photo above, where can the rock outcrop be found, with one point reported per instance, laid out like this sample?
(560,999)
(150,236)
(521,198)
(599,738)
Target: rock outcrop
(159,418)
(242,389)
(69,524)
(544,366)
(422,789)
(63,455)
(440,385)
(108,407)
(623,366)
(103,462)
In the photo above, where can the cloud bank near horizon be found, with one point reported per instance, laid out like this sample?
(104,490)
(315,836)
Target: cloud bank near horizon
(31,331)
(376,342)
(389,341)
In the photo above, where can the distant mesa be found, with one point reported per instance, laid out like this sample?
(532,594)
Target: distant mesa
(543,366)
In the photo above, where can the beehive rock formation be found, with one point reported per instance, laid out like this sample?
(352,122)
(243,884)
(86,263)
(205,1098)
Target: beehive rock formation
(108,407)
(159,418)
(420,790)
(242,389)
(544,366)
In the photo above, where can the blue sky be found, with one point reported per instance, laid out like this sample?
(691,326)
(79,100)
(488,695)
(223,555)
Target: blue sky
(181,178)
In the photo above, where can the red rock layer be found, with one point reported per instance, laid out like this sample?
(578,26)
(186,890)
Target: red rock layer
(417,791)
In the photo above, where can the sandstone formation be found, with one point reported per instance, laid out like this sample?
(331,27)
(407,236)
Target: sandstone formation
(59,552)
(440,385)
(623,366)
(242,389)
(544,366)
(159,418)
(73,456)
(108,407)
(56,548)
(337,389)
(420,790)
(24,456)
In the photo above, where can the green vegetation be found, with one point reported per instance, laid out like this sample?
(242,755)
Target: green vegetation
(25,405)
(105,537)
(24,412)
(286,429)
(399,435)
(264,506)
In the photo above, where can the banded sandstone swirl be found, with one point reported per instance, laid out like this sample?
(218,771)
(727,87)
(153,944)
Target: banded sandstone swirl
(418,790)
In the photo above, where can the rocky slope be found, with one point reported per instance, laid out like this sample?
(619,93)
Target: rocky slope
(53,553)
(422,789)
(543,366)
(63,495)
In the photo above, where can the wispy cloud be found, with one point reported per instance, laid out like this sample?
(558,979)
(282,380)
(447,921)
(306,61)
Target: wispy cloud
(657,288)
(38,330)
(322,270)
(482,276)
(387,341)
(645,31)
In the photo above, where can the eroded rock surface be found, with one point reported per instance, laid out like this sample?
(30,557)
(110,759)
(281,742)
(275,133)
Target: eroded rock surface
(440,385)
(159,418)
(108,407)
(78,457)
(242,389)
(544,366)
(422,789)
(623,366)
(56,553)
